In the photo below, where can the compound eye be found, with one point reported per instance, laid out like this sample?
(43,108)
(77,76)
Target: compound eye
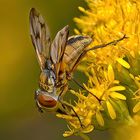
(46,101)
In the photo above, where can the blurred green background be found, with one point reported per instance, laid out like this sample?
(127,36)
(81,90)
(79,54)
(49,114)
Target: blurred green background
(19,70)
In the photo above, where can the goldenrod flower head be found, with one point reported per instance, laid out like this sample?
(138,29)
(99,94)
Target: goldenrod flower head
(107,20)
(112,91)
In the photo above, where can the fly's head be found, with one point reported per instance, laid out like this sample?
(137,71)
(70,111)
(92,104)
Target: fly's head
(46,96)
(46,101)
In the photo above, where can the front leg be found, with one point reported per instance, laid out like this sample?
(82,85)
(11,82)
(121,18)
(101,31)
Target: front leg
(114,42)
(66,106)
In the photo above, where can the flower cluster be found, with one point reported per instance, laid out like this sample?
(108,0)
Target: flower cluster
(112,91)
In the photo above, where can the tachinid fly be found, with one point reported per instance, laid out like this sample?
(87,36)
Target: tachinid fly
(57,59)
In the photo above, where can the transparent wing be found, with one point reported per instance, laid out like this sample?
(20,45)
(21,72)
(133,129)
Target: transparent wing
(75,50)
(40,36)
(59,44)
(58,47)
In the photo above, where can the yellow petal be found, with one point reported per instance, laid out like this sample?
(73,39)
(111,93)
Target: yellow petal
(76,31)
(137,78)
(116,82)
(132,76)
(110,73)
(136,107)
(123,63)
(68,133)
(106,75)
(88,129)
(78,20)
(81,9)
(80,96)
(117,88)
(94,78)
(67,117)
(87,121)
(99,118)
(88,118)
(111,110)
(117,95)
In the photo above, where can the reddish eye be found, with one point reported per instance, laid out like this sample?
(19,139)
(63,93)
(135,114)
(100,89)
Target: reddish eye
(46,101)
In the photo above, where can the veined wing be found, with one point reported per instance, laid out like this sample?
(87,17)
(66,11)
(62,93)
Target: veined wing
(57,50)
(40,36)
(75,50)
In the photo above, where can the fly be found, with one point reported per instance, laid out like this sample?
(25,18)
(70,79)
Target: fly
(57,59)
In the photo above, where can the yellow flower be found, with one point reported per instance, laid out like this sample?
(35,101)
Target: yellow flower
(107,20)
(113,86)
(83,121)
(106,88)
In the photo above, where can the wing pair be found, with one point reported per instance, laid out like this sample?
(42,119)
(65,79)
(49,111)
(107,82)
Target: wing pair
(61,50)
(40,36)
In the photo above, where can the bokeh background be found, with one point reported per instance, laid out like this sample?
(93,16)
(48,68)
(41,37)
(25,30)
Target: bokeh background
(19,70)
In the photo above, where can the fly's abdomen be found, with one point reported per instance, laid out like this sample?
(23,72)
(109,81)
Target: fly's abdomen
(74,49)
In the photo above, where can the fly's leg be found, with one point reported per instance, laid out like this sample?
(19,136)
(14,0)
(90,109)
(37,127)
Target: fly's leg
(37,104)
(66,105)
(110,43)
(84,88)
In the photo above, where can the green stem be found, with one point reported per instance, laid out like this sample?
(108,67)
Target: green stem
(83,136)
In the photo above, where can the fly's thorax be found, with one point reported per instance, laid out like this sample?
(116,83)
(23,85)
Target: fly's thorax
(47,80)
